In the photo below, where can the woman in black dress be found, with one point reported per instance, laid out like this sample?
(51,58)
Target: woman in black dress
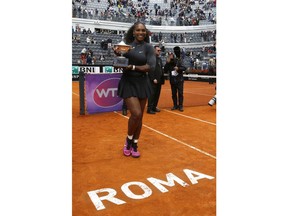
(134,86)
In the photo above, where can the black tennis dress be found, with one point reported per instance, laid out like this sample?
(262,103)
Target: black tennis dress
(136,83)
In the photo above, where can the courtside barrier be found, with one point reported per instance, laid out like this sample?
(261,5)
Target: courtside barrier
(98,90)
(81,92)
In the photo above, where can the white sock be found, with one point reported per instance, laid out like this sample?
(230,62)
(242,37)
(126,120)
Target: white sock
(130,137)
(135,140)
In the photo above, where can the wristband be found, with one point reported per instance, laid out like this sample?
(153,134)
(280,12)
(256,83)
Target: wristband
(133,67)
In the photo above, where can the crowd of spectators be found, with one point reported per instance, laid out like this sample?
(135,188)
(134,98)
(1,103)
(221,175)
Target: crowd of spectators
(186,37)
(178,12)
(89,41)
(182,12)
(162,38)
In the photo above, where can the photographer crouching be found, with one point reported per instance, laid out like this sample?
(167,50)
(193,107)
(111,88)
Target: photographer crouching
(175,68)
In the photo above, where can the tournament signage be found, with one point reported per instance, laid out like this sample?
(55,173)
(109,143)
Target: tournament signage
(111,195)
(84,69)
(87,69)
(75,72)
(108,69)
(101,92)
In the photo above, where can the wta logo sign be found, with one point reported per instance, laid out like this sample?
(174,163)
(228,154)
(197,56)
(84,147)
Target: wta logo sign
(105,94)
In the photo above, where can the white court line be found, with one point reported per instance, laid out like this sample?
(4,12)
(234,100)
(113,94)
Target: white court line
(183,143)
(190,117)
(196,93)
(194,88)
(75,93)
(181,115)
(191,92)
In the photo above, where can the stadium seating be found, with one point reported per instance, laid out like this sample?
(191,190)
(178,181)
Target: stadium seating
(194,40)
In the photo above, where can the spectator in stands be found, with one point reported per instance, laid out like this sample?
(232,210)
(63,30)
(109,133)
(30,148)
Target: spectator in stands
(89,59)
(175,38)
(93,40)
(183,52)
(74,38)
(78,38)
(101,57)
(175,68)
(212,69)
(181,37)
(91,13)
(203,50)
(84,2)
(160,36)
(78,29)
(214,48)
(109,46)
(171,37)
(89,51)
(134,86)
(157,80)
(88,40)
(83,56)
(89,31)
(192,62)
(104,45)
(94,60)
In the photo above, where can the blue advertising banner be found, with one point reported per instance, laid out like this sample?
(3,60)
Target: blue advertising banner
(101,92)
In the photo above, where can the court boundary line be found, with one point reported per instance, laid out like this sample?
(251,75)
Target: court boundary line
(170,137)
(179,114)
(195,93)
(193,118)
(75,93)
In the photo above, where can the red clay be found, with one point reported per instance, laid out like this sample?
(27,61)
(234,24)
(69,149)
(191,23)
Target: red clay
(170,142)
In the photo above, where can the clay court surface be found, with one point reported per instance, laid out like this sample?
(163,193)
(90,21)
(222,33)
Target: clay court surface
(172,143)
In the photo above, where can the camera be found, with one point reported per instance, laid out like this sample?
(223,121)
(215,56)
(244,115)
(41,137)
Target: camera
(212,101)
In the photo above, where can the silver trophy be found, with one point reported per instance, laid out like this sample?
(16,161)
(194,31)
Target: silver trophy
(121,61)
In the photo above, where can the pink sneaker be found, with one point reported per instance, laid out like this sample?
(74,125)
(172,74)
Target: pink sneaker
(134,152)
(127,147)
